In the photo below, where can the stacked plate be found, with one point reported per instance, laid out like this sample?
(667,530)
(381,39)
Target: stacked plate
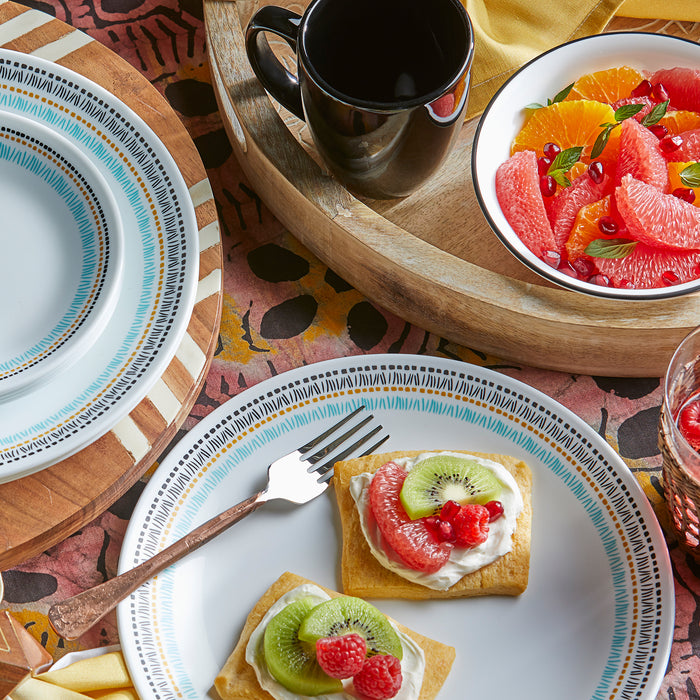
(99,262)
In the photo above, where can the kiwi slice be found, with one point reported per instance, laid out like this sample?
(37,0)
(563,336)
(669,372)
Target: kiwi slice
(436,480)
(345,615)
(291,661)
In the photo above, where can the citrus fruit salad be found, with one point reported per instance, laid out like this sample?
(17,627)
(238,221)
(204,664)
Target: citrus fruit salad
(603,181)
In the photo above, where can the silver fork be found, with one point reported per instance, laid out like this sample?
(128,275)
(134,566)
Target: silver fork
(297,477)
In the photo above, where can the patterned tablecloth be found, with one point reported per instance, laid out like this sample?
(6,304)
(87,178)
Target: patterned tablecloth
(282,309)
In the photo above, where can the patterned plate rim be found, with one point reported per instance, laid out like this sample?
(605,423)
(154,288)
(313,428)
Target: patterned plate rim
(95,216)
(130,154)
(570,449)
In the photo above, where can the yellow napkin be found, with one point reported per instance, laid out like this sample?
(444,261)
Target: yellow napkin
(682,10)
(105,677)
(509,33)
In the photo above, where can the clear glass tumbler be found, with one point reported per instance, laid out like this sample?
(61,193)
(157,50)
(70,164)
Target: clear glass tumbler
(681,463)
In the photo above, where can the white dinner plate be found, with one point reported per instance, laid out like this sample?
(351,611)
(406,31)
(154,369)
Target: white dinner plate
(62,253)
(596,621)
(161,261)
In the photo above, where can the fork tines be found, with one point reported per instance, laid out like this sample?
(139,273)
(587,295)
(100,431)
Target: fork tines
(326,451)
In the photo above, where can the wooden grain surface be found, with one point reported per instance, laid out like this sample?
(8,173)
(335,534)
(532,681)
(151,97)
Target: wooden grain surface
(431,258)
(43,509)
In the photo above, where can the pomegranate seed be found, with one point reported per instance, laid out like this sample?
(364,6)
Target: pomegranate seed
(551,150)
(671,143)
(659,93)
(608,225)
(548,185)
(670,278)
(449,510)
(583,267)
(600,279)
(543,164)
(685,193)
(446,531)
(432,522)
(552,258)
(625,284)
(495,509)
(659,130)
(596,171)
(642,90)
(566,269)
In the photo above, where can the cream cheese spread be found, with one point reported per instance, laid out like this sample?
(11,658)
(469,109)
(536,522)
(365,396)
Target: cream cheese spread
(462,561)
(412,664)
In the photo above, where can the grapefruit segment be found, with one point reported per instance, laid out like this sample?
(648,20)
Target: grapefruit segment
(657,219)
(646,267)
(641,156)
(518,193)
(682,86)
(689,149)
(568,201)
(411,540)
(646,102)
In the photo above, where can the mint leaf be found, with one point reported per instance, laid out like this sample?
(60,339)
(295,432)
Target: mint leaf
(655,115)
(610,248)
(602,141)
(566,159)
(627,111)
(562,94)
(559,176)
(690,175)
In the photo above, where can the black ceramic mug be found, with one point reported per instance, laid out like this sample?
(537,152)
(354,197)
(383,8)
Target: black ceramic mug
(382,84)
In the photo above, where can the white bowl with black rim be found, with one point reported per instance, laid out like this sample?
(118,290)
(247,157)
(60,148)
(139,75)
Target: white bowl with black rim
(537,81)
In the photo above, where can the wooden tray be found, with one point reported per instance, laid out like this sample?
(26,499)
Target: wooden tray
(43,509)
(431,258)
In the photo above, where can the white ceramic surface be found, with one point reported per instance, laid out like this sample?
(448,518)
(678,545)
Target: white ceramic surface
(62,254)
(540,80)
(598,613)
(161,261)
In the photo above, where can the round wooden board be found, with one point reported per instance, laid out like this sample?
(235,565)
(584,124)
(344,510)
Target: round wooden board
(431,258)
(39,511)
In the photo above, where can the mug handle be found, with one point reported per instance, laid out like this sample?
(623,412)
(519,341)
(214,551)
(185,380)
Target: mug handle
(276,79)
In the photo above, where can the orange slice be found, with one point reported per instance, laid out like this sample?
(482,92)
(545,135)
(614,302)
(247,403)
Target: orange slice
(607,85)
(674,177)
(585,228)
(681,120)
(568,124)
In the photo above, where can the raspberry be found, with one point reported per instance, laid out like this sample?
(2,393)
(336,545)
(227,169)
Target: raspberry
(341,657)
(380,677)
(471,525)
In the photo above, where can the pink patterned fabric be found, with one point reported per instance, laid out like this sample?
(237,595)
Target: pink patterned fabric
(282,309)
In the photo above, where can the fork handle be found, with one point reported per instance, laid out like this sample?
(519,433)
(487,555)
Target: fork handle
(74,616)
